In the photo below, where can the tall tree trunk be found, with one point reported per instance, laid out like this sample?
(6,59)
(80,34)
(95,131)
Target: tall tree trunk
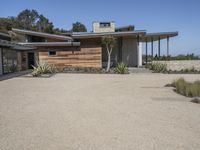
(108,65)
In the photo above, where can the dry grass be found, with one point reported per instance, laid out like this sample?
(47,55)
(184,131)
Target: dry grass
(189,89)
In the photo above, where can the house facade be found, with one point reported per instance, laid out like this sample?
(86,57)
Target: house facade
(10,54)
(84,49)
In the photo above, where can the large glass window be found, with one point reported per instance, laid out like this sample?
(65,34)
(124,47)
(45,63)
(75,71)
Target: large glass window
(35,39)
(9,61)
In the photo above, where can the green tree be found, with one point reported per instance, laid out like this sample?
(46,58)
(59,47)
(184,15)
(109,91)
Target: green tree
(7,24)
(109,42)
(32,20)
(28,19)
(78,27)
(44,25)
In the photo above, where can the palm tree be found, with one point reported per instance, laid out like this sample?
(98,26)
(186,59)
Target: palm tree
(109,42)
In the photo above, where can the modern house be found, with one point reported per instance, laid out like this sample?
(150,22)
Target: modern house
(82,49)
(10,54)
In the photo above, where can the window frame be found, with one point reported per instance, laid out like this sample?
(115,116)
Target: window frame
(52,55)
(104,24)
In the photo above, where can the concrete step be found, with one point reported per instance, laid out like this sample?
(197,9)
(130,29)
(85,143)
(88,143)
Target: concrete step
(138,70)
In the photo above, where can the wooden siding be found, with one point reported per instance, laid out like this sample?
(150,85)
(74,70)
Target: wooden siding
(89,56)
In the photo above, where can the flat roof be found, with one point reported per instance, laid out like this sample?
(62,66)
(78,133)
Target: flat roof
(14,46)
(52,44)
(101,34)
(159,35)
(41,34)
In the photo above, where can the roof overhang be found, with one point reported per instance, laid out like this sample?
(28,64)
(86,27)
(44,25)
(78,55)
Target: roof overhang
(40,34)
(139,33)
(14,46)
(156,36)
(51,44)
(4,36)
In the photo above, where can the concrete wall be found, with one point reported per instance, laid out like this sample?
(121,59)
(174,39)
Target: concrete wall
(129,52)
(97,28)
(1,67)
(114,55)
(181,64)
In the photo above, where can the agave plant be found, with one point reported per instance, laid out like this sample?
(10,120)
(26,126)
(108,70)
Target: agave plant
(121,68)
(43,68)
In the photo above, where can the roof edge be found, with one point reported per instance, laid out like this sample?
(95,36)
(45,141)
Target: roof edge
(42,34)
(51,43)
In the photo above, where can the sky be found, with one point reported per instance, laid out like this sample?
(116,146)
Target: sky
(151,15)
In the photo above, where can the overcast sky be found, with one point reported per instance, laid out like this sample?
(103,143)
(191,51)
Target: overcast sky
(151,15)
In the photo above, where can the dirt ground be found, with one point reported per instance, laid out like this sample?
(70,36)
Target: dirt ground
(97,112)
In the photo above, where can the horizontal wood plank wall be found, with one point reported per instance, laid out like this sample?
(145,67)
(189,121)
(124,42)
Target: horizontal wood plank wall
(85,56)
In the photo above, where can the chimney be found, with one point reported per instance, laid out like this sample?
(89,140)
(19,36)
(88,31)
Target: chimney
(103,27)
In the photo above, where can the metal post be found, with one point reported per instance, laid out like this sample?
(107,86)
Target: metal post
(2,61)
(159,47)
(138,46)
(146,50)
(138,39)
(152,47)
(167,46)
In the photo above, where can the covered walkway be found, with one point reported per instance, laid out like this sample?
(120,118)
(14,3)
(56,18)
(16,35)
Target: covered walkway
(151,38)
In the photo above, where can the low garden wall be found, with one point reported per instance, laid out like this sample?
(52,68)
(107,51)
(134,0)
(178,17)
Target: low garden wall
(178,65)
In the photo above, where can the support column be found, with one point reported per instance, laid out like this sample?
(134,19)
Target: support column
(159,47)
(167,46)
(146,51)
(120,49)
(140,55)
(152,47)
(19,61)
(1,61)
(139,52)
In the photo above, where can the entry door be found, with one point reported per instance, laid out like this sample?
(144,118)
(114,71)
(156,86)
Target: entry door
(31,60)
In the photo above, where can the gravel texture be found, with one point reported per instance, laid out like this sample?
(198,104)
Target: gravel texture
(97,112)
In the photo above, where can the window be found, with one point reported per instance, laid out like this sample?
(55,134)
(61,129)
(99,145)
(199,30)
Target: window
(52,53)
(9,61)
(35,39)
(104,24)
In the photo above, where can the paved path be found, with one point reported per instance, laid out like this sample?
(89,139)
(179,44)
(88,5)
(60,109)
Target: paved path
(13,75)
(97,112)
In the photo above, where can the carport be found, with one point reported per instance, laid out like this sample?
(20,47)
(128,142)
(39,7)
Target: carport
(157,37)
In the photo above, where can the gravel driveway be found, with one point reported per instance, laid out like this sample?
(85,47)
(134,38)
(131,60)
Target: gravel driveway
(97,112)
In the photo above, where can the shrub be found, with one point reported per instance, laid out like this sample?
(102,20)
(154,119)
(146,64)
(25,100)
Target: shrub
(180,86)
(121,68)
(187,88)
(11,68)
(158,67)
(178,57)
(43,68)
